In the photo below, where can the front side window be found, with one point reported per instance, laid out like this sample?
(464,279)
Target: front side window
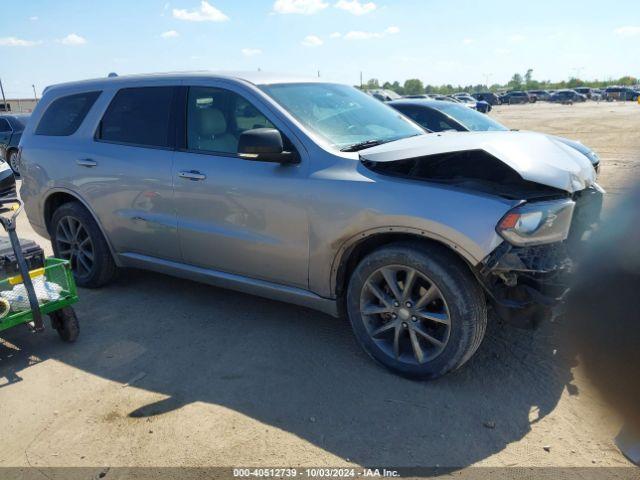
(339,115)
(216,118)
(64,116)
(138,116)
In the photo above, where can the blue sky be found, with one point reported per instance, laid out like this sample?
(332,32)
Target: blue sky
(45,42)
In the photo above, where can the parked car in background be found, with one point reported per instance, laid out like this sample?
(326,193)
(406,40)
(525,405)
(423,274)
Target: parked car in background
(384,95)
(597,94)
(515,97)
(419,95)
(446,98)
(621,93)
(586,91)
(489,97)
(11,128)
(542,95)
(440,116)
(312,193)
(567,97)
(471,102)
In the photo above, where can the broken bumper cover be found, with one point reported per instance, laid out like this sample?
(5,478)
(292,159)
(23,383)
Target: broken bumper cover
(527,285)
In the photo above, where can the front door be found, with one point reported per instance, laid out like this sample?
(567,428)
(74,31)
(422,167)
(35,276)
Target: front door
(234,215)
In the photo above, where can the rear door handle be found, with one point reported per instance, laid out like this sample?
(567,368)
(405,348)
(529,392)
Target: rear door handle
(87,162)
(192,175)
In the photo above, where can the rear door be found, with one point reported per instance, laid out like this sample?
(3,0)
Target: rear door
(235,215)
(127,173)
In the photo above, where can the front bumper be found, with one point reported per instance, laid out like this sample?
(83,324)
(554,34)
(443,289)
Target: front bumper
(527,285)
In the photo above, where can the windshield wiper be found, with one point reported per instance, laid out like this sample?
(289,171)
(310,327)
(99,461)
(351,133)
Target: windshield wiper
(372,143)
(362,145)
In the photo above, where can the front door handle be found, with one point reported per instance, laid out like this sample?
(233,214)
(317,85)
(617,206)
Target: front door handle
(87,162)
(192,175)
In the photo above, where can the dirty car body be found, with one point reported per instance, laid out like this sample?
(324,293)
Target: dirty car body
(352,191)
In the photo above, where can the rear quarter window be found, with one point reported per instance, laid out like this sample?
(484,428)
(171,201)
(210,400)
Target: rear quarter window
(65,114)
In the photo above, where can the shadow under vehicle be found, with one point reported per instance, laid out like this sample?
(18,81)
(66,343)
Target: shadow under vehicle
(293,369)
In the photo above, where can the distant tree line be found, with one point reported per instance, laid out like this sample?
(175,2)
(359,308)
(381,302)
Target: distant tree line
(415,86)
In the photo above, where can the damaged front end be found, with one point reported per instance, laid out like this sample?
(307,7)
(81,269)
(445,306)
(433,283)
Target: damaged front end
(558,204)
(526,283)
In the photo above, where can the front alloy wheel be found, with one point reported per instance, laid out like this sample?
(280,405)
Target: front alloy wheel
(406,314)
(416,308)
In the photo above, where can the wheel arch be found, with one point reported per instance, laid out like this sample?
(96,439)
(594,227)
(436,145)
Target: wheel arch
(356,248)
(56,198)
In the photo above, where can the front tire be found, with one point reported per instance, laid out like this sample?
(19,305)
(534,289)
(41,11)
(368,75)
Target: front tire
(12,160)
(416,309)
(75,236)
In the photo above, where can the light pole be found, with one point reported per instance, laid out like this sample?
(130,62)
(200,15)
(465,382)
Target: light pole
(4,100)
(35,96)
(487,76)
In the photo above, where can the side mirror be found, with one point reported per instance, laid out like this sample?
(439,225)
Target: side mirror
(264,145)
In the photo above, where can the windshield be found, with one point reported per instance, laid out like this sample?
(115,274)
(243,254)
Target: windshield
(471,119)
(341,116)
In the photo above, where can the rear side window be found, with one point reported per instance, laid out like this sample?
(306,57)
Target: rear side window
(64,115)
(138,116)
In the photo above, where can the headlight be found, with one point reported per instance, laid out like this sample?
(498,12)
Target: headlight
(537,223)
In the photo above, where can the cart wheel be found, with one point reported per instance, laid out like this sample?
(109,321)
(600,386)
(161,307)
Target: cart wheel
(66,323)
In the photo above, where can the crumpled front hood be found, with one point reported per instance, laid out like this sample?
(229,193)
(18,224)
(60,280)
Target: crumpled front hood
(535,156)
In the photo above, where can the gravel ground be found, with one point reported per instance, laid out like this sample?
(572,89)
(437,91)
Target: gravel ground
(174,373)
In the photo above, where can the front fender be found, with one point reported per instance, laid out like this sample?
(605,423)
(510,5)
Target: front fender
(350,244)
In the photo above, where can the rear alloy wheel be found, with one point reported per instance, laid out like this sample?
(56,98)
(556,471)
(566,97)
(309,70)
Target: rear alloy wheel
(75,236)
(74,244)
(416,309)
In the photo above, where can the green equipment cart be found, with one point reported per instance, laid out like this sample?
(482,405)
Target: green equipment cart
(50,290)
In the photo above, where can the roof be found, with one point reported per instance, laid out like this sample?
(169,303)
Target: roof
(253,77)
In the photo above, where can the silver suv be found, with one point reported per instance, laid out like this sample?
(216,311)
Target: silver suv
(311,193)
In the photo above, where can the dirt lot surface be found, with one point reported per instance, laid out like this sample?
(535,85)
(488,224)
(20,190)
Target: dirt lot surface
(173,373)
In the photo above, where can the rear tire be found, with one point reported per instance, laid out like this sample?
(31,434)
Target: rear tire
(75,236)
(66,323)
(443,315)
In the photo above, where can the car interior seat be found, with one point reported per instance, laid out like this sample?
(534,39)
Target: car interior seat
(212,134)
